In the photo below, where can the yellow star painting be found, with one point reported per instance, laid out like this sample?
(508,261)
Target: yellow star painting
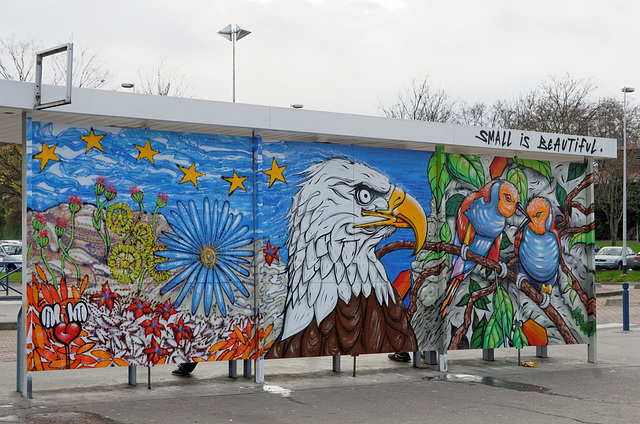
(146,152)
(47,154)
(93,141)
(236,182)
(190,174)
(275,173)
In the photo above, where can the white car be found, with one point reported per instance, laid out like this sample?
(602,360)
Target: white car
(11,251)
(610,257)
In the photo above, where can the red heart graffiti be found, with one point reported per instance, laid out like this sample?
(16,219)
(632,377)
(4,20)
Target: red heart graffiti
(66,333)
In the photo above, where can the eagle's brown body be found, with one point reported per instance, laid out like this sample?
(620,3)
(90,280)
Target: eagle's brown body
(362,326)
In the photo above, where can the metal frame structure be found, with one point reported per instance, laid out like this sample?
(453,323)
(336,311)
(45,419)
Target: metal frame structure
(38,92)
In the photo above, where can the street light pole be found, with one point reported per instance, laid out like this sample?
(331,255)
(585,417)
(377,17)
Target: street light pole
(625,90)
(233,32)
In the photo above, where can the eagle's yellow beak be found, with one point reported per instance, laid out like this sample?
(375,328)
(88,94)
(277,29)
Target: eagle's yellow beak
(404,212)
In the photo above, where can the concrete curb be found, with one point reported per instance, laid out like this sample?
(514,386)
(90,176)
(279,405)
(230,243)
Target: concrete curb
(8,326)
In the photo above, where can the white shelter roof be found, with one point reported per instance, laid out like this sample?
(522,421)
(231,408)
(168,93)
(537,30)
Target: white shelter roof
(119,109)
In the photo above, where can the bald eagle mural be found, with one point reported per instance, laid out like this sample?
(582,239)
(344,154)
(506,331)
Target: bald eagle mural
(340,299)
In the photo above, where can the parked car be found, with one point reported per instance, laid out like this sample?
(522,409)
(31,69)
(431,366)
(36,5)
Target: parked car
(610,257)
(597,248)
(636,261)
(10,251)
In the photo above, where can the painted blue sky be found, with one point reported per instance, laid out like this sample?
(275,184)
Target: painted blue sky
(120,163)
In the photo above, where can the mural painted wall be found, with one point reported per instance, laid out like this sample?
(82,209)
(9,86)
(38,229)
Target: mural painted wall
(151,247)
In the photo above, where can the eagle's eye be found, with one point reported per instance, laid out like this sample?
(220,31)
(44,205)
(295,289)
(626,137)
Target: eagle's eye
(364,196)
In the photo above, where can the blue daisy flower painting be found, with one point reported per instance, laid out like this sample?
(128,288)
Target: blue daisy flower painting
(205,247)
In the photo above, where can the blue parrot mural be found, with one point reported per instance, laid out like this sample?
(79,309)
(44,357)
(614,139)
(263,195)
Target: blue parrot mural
(537,246)
(479,226)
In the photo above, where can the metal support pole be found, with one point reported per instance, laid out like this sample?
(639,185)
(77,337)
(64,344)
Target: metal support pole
(354,365)
(132,377)
(592,352)
(233,41)
(417,360)
(149,378)
(260,370)
(431,357)
(625,306)
(336,363)
(592,346)
(541,352)
(19,365)
(442,360)
(233,369)
(246,371)
(29,384)
(487,354)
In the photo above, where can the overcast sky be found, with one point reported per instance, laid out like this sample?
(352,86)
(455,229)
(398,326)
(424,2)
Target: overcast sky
(348,55)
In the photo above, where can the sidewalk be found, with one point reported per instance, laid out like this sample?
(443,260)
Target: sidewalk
(564,388)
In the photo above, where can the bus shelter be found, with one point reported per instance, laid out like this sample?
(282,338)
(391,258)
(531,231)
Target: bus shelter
(167,230)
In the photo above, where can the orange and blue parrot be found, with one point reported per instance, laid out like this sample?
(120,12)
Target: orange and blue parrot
(479,226)
(537,246)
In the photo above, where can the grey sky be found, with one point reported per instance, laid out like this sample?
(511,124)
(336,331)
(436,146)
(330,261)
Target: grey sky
(349,55)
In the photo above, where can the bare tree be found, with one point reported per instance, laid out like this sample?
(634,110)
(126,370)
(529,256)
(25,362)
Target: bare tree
(608,122)
(420,102)
(164,80)
(560,105)
(10,190)
(18,57)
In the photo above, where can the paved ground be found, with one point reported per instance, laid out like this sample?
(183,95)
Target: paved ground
(563,388)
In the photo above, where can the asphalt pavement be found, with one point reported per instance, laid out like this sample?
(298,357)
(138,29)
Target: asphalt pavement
(563,388)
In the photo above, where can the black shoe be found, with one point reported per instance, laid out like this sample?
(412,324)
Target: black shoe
(181,371)
(400,356)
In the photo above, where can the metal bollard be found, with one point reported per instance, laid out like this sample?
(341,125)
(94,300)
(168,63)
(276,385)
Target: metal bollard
(625,306)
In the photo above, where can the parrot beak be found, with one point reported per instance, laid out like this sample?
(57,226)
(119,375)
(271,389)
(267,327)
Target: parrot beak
(523,224)
(404,212)
(525,221)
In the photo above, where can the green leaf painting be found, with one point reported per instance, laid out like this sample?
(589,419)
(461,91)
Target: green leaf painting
(586,238)
(477,338)
(576,170)
(433,255)
(467,168)
(438,176)
(445,233)
(493,335)
(561,195)
(542,166)
(519,338)
(503,308)
(501,321)
(505,242)
(453,204)
(517,177)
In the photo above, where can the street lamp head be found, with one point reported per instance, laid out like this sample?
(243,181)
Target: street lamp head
(127,85)
(297,106)
(628,89)
(230,30)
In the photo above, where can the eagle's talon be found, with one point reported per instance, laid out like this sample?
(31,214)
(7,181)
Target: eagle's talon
(519,280)
(546,300)
(463,251)
(503,271)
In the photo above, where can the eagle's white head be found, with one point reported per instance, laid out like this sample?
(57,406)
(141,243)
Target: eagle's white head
(337,218)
